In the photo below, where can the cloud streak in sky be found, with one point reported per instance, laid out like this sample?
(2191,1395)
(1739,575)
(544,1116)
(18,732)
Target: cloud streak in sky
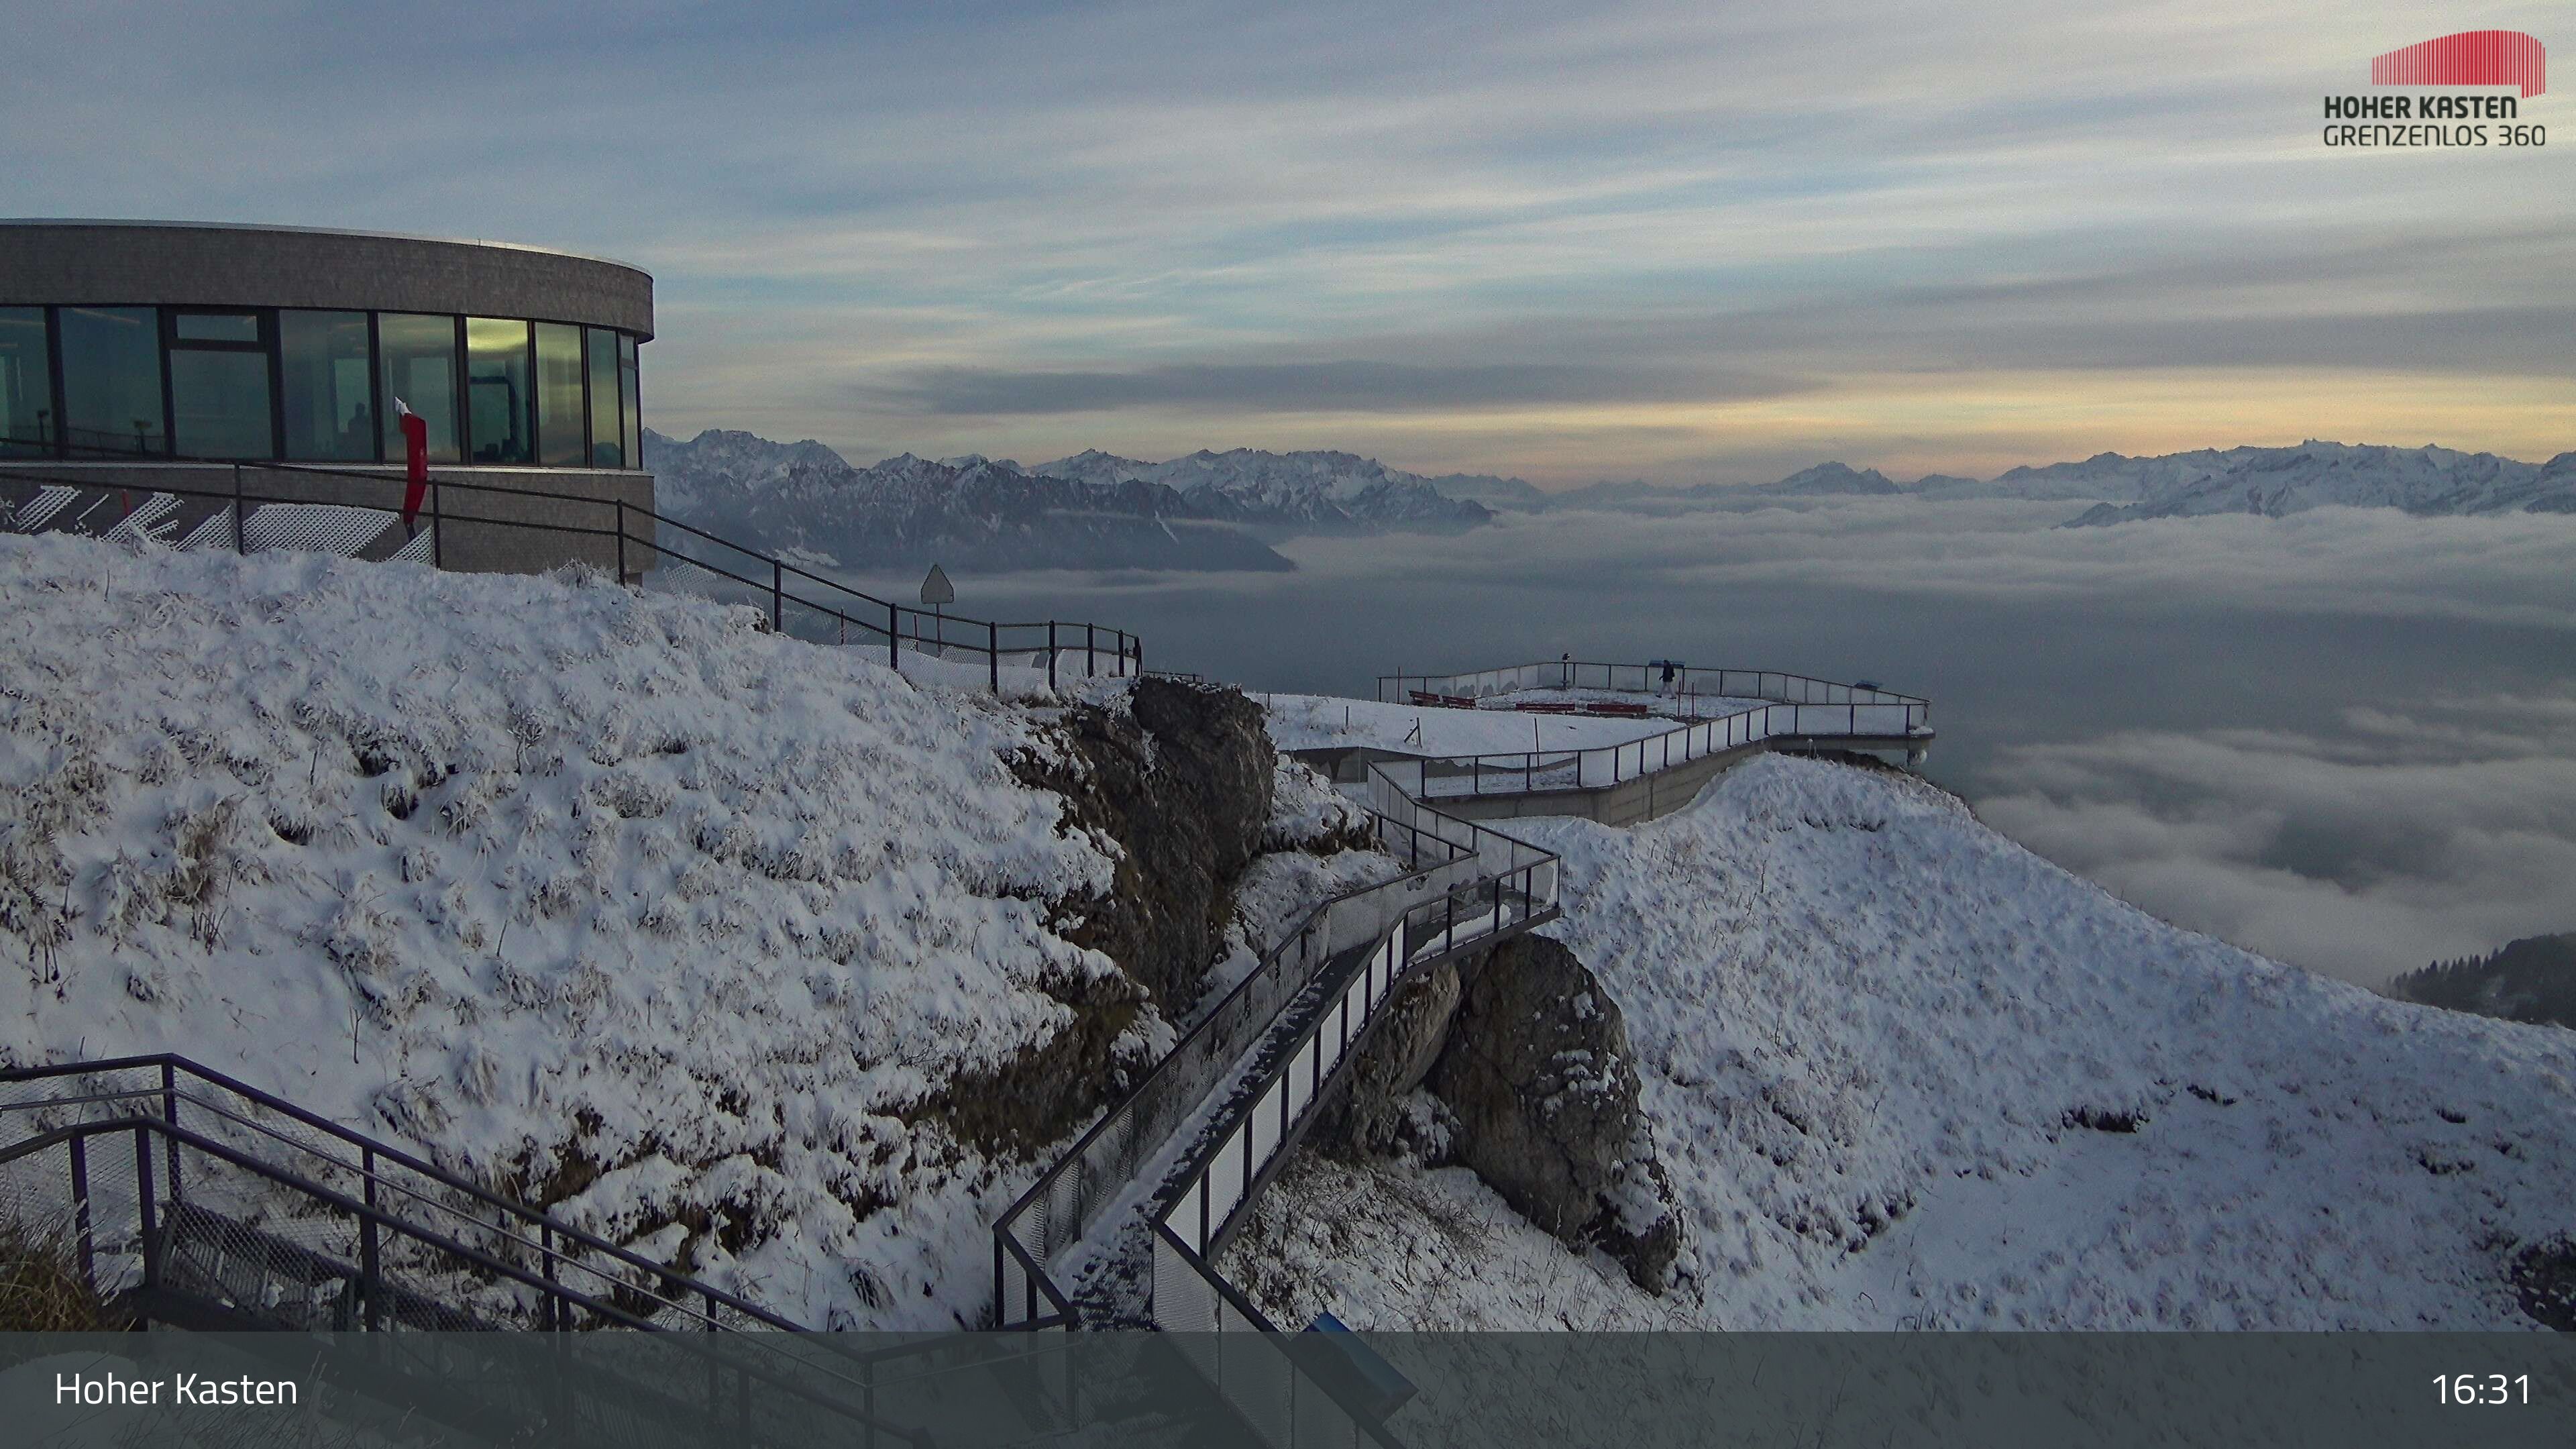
(1677,240)
(1344,386)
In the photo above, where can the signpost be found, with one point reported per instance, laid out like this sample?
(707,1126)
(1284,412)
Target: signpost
(936,594)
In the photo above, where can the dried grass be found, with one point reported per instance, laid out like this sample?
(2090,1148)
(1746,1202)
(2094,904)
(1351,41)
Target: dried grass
(41,1289)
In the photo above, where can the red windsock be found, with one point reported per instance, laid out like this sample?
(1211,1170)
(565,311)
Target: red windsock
(415,431)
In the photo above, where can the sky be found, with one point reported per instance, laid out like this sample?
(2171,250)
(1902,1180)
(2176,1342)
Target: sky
(1683,242)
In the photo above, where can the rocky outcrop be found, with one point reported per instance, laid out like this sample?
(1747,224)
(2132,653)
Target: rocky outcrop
(1530,1064)
(1371,1116)
(1181,781)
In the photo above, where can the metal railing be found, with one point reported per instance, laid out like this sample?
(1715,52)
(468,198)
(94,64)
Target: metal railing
(1241,1087)
(796,601)
(1526,772)
(205,1201)
(1686,688)
(1062,1207)
(1201,1204)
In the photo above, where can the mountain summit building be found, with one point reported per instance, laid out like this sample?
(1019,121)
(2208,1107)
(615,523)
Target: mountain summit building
(143,355)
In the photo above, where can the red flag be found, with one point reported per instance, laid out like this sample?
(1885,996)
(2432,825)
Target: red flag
(415,431)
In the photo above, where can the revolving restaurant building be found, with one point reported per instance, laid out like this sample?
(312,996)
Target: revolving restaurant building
(136,355)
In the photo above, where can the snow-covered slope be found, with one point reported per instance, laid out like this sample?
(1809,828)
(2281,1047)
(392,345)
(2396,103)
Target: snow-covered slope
(1905,1073)
(551,879)
(1312,490)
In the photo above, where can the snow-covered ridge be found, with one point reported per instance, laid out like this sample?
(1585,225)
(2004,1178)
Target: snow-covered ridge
(1090,510)
(1327,489)
(1905,1073)
(548,879)
(2428,481)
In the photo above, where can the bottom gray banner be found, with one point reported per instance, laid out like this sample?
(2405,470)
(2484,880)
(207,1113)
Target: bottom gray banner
(1399,1389)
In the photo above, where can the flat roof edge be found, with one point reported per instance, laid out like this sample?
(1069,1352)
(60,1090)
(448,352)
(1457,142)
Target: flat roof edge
(117,221)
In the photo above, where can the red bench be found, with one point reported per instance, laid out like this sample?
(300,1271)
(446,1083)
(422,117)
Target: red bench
(1624,711)
(1443,701)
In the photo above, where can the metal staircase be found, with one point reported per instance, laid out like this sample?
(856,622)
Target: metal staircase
(1121,1230)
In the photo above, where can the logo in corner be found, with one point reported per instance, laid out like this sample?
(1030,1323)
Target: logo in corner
(2470,58)
(2456,81)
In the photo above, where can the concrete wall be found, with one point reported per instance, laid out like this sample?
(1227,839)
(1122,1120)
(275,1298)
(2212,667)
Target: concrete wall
(479,532)
(193,264)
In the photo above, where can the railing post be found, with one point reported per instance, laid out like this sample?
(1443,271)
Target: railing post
(777,596)
(238,546)
(371,1264)
(144,1195)
(621,543)
(993,653)
(170,1114)
(554,1316)
(894,648)
(80,1213)
(1050,654)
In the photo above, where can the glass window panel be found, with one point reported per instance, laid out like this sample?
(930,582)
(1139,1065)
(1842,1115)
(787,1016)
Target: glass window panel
(330,407)
(216,326)
(111,380)
(559,406)
(419,354)
(626,396)
(606,451)
(498,372)
(219,403)
(26,384)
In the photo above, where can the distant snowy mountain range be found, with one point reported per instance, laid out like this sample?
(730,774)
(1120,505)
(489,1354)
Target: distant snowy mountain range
(2268,481)
(1223,511)
(1207,511)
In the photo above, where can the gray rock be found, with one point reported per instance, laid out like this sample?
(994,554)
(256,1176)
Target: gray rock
(1184,787)
(1370,1119)
(1182,784)
(1538,1071)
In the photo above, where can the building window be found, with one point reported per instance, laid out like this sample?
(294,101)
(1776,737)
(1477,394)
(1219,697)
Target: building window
(560,420)
(627,400)
(111,380)
(498,396)
(26,385)
(606,451)
(219,386)
(419,359)
(215,327)
(330,395)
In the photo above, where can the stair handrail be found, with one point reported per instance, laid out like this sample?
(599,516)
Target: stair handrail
(146,1127)
(1062,1212)
(173,1065)
(1444,854)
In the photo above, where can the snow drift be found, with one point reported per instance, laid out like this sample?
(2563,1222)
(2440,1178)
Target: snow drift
(700,935)
(1904,1073)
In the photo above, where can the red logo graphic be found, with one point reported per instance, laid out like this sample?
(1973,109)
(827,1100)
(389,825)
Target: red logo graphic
(2470,58)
